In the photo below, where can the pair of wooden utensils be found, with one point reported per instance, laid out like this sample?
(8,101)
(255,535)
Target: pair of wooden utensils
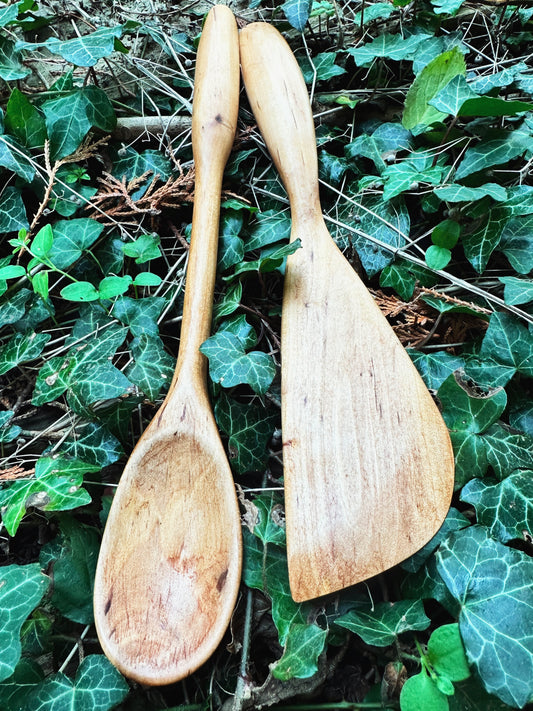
(368,465)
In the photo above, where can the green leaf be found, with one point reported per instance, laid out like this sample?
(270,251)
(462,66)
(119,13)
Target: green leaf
(481,243)
(460,193)
(144,248)
(12,211)
(468,413)
(492,583)
(94,444)
(15,691)
(140,315)
(230,365)
(153,367)
(231,246)
(507,349)
(14,157)
(271,226)
(73,555)
(446,234)
(70,117)
(392,46)
(9,14)
(56,486)
(505,508)
(387,221)
(113,286)
(324,67)
(249,428)
(80,291)
(373,12)
(489,153)
(304,645)
(98,685)
(42,242)
(435,367)
(459,99)
(21,589)
(516,243)
(8,432)
(437,257)
(508,450)
(87,50)
(421,692)
(297,12)
(12,271)
(517,291)
(446,653)
(434,77)
(25,121)
(147,279)
(71,239)
(471,696)
(380,624)
(446,7)
(22,348)
(132,164)
(10,67)
(230,302)
(269,519)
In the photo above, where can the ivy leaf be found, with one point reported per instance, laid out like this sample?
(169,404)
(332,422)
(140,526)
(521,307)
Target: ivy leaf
(459,99)
(12,211)
(471,696)
(230,301)
(435,367)
(481,243)
(517,291)
(324,67)
(446,7)
(516,242)
(507,349)
(297,12)
(98,685)
(393,46)
(507,450)
(489,153)
(132,164)
(140,315)
(70,239)
(73,555)
(492,584)
(271,226)
(468,413)
(387,221)
(15,691)
(94,444)
(22,348)
(231,247)
(270,524)
(56,486)
(70,117)
(380,625)
(454,192)
(434,77)
(153,367)
(505,508)
(8,432)
(25,121)
(15,158)
(87,50)
(21,589)
(230,365)
(10,67)
(271,258)
(249,428)
(304,645)
(9,14)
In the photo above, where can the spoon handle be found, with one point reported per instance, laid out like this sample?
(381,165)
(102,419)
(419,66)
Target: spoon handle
(214,122)
(279,100)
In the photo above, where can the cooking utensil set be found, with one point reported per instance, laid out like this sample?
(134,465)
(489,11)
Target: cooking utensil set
(368,464)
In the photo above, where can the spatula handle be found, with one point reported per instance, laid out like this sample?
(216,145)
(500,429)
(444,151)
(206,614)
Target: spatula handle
(214,122)
(278,97)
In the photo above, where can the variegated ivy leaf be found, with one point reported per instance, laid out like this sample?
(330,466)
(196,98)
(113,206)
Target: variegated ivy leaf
(87,50)
(393,46)
(304,645)
(489,153)
(297,12)
(460,193)
(152,368)
(492,584)
(22,348)
(323,68)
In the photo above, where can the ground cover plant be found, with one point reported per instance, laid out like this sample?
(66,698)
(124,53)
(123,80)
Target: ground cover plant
(424,115)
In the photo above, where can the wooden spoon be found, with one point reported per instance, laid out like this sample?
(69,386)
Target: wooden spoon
(169,567)
(368,464)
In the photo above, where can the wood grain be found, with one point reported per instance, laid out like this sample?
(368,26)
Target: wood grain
(368,464)
(169,567)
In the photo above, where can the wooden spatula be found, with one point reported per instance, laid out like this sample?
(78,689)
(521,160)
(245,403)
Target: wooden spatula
(169,567)
(368,464)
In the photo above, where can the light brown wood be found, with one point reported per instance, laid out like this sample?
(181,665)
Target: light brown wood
(368,464)
(169,567)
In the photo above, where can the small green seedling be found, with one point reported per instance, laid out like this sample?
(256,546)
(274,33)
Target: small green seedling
(444,237)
